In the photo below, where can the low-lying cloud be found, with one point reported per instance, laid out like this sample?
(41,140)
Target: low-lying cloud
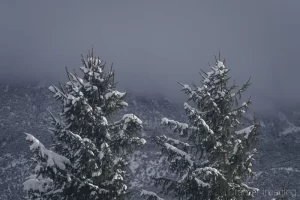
(154,44)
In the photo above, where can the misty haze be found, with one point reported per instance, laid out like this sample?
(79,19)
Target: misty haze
(157,50)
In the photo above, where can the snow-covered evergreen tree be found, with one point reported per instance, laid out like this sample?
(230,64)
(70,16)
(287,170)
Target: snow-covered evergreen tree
(88,157)
(214,156)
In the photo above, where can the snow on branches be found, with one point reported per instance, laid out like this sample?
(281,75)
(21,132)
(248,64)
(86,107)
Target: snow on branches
(54,160)
(150,195)
(215,156)
(92,147)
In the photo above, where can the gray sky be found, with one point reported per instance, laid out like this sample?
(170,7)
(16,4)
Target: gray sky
(154,44)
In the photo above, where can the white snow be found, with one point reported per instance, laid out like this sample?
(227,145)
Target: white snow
(121,133)
(258,174)
(287,169)
(245,131)
(191,110)
(123,103)
(143,141)
(186,87)
(101,155)
(98,173)
(114,93)
(235,148)
(37,184)
(209,170)
(222,93)
(291,128)
(262,124)
(201,183)
(52,89)
(84,69)
(219,144)
(177,141)
(104,121)
(182,126)
(94,60)
(220,65)
(131,117)
(205,125)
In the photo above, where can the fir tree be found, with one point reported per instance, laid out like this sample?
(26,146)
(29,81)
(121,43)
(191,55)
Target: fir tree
(88,157)
(213,158)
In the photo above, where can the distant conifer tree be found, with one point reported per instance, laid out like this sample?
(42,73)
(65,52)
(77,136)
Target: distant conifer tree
(88,157)
(214,156)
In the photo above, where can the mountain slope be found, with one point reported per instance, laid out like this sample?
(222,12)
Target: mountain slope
(23,109)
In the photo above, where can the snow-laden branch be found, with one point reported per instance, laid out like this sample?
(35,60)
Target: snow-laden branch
(53,159)
(179,152)
(175,125)
(37,184)
(208,172)
(175,142)
(150,195)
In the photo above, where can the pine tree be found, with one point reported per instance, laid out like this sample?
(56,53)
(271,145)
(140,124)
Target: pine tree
(88,157)
(213,158)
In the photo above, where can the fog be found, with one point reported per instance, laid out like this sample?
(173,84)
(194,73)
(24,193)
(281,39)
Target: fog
(153,44)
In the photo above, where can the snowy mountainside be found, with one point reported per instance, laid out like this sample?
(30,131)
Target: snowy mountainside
(277,167)
(23,109)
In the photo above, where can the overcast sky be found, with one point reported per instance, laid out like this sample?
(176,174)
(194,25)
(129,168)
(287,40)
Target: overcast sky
(153,44)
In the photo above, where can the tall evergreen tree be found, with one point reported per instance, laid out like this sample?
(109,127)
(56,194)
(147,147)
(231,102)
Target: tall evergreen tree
(88,157)
(213,158)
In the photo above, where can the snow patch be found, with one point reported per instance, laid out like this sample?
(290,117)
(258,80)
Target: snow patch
(150,194)
(291,128)
(287,169)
